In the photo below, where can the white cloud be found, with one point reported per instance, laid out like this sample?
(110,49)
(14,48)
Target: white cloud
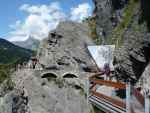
(55,6)
(80,12)
(39,22)
(43,18)
(18,37)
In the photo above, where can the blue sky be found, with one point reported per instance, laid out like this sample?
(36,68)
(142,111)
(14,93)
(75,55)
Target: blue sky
(21,18)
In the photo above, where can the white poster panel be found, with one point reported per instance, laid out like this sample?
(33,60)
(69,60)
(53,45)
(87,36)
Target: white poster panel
(102,54)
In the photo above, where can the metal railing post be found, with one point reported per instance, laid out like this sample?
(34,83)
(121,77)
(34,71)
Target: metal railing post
(87,89)
(128,96)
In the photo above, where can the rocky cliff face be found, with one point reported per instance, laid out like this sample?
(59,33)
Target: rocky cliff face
(60,86)
(109,14)
(127,27)
(66,48)
(33,94)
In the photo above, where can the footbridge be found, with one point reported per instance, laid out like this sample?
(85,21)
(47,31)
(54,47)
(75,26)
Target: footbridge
(102,94)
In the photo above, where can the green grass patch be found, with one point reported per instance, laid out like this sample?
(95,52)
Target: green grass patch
(95,110)
(117,34)
(7,69)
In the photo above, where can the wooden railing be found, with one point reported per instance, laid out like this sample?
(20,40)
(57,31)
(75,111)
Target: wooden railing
(115,102)
(109,83)
(96,74)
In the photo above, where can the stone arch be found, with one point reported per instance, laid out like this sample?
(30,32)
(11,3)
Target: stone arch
(49,75)
(70,75)
(78,87)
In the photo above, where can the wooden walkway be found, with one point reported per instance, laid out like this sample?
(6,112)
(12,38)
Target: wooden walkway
(110,103)
(105,105)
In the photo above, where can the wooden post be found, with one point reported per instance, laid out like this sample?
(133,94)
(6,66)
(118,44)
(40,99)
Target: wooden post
(128,94)
(147,104)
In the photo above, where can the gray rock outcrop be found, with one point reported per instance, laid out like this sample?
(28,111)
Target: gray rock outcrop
(109,14)
(60,86)
(144,79)
(66,48)
(132,56)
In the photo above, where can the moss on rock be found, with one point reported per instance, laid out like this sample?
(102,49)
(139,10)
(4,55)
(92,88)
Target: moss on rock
(117,34)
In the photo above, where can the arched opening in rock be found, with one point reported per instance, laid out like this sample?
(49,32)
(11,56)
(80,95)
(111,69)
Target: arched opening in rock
(69,75)
(78,87)
(49,76)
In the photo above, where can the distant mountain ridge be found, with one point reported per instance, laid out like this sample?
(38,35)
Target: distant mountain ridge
(31,43)
(10,53)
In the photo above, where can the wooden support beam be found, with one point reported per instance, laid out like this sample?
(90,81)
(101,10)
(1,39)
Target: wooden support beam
(110,83)
(115,102)
(96,75)
(91,88)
